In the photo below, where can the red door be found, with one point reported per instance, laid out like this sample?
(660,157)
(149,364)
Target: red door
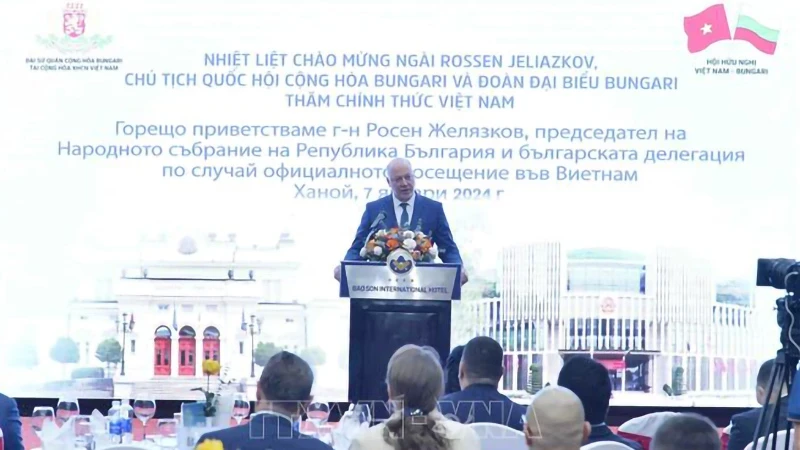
(163,353)
(187,350)
(211,349)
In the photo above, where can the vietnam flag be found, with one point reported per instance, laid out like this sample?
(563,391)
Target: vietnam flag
(707,27)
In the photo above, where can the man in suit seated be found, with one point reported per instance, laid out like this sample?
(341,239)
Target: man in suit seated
(686,432)
(405,209)
(284,390)
(743,426)
(10,424)
(555,420)
(479,400)
(588,379)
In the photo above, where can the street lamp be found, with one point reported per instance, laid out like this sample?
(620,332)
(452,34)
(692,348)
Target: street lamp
(127,326)
(255,328)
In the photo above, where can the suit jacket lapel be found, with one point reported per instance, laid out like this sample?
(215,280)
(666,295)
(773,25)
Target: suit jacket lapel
(419,205)
(388,208)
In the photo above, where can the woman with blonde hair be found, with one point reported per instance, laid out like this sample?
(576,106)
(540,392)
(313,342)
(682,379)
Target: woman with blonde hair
(415,382)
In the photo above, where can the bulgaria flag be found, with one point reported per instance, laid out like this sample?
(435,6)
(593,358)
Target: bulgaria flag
(763,38)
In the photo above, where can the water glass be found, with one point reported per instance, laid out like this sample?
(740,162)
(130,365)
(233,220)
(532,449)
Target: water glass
(82,426)
(167,433)
(40,415)
(317,413)
(241,407)
(361,412)
(66,408)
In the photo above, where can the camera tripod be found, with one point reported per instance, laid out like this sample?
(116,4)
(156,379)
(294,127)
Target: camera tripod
(780,378)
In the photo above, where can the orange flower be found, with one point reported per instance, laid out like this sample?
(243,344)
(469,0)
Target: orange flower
(370,245)
(392,244)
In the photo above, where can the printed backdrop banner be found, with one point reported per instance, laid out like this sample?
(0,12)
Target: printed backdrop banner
(611,173)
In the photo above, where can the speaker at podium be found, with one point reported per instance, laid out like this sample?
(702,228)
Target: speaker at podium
(394,303)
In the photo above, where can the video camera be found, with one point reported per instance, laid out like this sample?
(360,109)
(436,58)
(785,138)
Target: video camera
(784,274)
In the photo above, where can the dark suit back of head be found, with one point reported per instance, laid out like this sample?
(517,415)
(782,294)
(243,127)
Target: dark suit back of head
(483,359)
(686,432)
(286,378)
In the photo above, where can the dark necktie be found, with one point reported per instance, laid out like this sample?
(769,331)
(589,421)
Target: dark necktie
(404,216)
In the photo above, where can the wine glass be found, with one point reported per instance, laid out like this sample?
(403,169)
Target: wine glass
(241,407)
(144,407)
(168,433)
(40,415)
(66,408)
(317,413)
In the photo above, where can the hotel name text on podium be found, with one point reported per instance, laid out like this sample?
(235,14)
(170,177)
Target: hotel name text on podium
(392,304)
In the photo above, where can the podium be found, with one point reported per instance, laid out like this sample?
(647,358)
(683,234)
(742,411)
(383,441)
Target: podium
(392,304)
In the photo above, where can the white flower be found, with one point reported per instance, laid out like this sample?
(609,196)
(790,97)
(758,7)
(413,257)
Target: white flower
(408,235)
(420,234)
(410,244)
(433,251)
(363,252)
(377,250)
(380,233)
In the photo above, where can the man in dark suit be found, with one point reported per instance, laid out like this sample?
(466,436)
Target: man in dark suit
(10,423)
(589,380)
(479,401)
(743,426)
(284,390)
(405,209)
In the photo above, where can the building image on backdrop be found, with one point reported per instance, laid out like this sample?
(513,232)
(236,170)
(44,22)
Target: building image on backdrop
(647,318)
(184,300)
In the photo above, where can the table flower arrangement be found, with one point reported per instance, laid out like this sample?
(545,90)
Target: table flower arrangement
(386,241)
(212,406)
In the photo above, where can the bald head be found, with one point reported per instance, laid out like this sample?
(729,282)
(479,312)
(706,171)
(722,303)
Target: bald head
(555,420)
(400,177)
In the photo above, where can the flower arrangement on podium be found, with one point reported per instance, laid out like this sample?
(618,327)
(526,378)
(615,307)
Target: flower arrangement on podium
(384,242)
(217,407)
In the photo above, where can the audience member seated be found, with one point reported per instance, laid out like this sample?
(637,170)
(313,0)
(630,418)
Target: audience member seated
(743,426)
(556,421)
(451,383)
(588,379)
(686,432)
(479,375)
(284,390)
(10,423)
(415,381)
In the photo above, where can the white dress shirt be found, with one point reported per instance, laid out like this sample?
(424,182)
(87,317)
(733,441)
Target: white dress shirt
(398,210)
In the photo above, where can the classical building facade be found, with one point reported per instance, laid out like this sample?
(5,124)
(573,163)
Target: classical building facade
(183,300)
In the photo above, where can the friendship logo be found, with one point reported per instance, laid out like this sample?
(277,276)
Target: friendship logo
(711,26)
(74,38)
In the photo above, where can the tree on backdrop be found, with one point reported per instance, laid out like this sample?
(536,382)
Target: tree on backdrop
(24,355)
(265,351)
(314,356)
(109,352)
(65,351)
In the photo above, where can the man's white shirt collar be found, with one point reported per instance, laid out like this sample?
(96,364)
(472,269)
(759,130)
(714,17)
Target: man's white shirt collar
(410,201)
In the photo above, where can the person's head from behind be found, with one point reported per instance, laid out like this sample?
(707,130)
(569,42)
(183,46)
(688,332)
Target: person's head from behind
(451,367)
(285,384)
(686,432)
(400,177)
(415,381)
(762,384)
(555,420)
(481,362)
(588,379)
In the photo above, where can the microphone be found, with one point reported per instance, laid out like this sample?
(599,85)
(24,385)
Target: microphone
(378,220)
(375,224)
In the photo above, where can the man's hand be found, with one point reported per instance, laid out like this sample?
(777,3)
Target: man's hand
(464,277)
(337,273)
